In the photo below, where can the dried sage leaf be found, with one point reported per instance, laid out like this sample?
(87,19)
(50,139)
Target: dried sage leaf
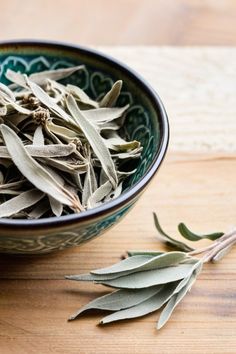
(115,142)
(104,114)
(95,140)
(21,202)
(38,138)
(90,184)
(6,92)
(99,194)
(81,96)
(62,141)
(40,78)
(16,78)
(39,210)
(33,171)
(55,150)
(111,97)
(47,100)
(56,206)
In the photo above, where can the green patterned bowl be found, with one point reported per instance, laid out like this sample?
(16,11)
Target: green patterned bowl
(146,121)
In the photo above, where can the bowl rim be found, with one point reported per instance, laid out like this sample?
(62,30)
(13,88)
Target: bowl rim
(123,199)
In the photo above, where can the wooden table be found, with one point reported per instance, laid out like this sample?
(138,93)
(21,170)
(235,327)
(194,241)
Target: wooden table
(129,22)
(196,184)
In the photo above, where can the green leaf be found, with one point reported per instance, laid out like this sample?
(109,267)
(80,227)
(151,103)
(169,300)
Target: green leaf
(124,265)
(160,261)
(150,305)
(189,235)
(196,268)
(118,300)
(149,278)
(169,240)
(178,296)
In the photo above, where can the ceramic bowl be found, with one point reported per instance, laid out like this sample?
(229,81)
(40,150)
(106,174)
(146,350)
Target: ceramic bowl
(146,121)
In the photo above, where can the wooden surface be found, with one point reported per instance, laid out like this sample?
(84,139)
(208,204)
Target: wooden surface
(106,22)
(195,186)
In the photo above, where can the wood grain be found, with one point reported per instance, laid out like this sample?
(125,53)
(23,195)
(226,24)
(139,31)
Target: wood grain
(132,22)
(35,300)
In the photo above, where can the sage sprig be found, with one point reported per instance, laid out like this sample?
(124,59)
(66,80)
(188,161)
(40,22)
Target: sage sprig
(148,281)
(59,147)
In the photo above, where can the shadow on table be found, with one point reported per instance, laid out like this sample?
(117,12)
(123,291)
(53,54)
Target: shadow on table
(34,266)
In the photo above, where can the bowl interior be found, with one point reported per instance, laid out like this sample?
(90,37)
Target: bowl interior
(142,122)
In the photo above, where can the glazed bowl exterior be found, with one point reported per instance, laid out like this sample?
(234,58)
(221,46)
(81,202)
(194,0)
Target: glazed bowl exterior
(146,121)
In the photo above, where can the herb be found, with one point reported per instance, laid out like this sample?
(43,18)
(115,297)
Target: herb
(151,280)
(60,150)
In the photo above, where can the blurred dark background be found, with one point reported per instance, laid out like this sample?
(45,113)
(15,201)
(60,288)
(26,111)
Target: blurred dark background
(121,22)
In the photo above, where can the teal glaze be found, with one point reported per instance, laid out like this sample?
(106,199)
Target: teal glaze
(146,121)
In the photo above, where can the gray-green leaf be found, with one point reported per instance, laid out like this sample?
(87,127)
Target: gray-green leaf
(141,263)
(41,78)
(177,297)
(47,100)
(99,194)
(118,300)
(111,97)
(33,171)
(149,278)
(148,306)
(80,95)
(38,138)
(52,150)
(95,140)
(104,114)
(20,202)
